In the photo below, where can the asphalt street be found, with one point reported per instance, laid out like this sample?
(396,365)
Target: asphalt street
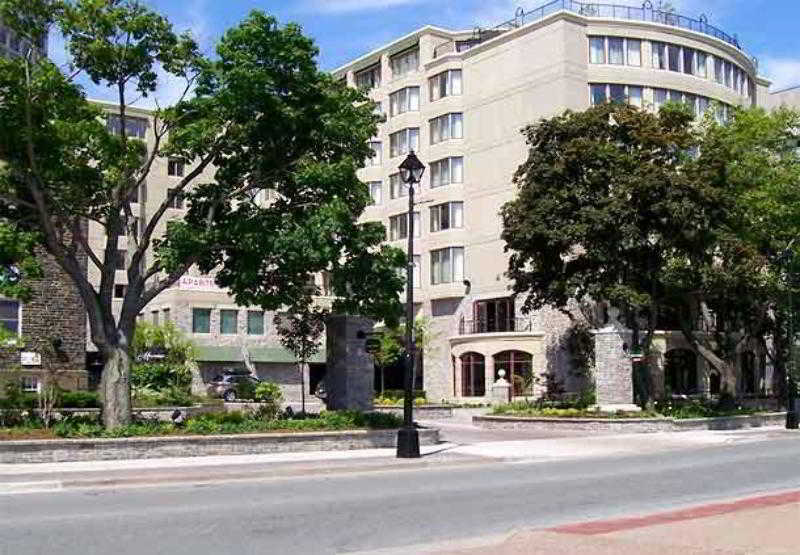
(361,511)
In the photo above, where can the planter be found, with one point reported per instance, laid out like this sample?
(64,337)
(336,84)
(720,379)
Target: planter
(64,450)
(421,412)
(629,425)
(146,413)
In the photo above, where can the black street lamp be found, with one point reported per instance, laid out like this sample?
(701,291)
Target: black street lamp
(792,416)
(411,171)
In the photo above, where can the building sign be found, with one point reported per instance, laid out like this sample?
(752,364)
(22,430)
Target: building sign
(154,354)
(195,283)
(30,359)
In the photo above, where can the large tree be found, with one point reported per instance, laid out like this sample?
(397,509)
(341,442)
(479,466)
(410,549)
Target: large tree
(654,213)
(260,113)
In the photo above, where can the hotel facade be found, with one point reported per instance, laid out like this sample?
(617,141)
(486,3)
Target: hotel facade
(459,99)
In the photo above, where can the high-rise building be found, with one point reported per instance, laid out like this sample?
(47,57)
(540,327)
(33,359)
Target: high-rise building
(459,99)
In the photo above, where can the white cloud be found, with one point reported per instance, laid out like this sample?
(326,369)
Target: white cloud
(783,72)
(343,6)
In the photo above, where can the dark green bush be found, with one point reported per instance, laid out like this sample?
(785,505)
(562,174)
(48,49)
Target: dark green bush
(399,394)
(79,400)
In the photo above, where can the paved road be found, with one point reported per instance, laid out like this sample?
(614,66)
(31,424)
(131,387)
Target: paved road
(399,507)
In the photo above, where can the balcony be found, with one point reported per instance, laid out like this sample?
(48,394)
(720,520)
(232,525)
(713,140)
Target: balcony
(503,325)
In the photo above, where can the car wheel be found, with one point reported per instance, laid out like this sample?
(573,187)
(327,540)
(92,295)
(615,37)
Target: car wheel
(229,396)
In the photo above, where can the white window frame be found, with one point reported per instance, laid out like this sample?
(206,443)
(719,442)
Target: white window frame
(404,62)
(370,77)
(398,226)
(235,312)
(446,78)
(263,323)
(403,141)
(194,308)
(397,188)
(455,216)
(456,274)
(446,127)
(437,175)
(375,198)
(403,101)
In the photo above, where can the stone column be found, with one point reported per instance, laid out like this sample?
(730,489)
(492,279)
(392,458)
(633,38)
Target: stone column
(457,377)
(613,369)
(349,378)
(488,369)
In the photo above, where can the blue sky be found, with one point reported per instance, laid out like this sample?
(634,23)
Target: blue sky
(345,29)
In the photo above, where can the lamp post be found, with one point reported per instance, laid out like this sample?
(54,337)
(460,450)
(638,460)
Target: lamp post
(411,171)
(791,404)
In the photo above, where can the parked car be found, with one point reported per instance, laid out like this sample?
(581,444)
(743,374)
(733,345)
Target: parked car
(225,385)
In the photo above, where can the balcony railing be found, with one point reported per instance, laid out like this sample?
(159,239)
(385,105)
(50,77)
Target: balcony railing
(469,327)
(607,11)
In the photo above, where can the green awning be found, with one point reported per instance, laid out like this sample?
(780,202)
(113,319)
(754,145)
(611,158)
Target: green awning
(212,353)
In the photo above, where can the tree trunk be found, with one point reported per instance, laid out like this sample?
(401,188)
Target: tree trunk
(115,388)
(302,368)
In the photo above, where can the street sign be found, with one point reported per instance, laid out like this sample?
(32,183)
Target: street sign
(372,345)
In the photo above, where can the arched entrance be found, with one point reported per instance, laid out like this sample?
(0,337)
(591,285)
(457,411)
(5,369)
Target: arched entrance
(473,375)
(680,372)
(519,370)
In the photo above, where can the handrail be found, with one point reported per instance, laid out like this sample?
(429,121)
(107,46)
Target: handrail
(500,325)
(613,11)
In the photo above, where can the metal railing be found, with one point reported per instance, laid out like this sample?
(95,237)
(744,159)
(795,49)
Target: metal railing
(469,327)
(610,11)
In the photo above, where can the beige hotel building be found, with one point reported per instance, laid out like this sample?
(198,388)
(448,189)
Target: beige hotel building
(459,99)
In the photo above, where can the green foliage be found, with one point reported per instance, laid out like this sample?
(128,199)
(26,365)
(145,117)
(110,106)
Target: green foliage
(700,408)
(79,400)
(270,396)
(532,409)
(399,394)
(245,390)
(169,375)
(172,396)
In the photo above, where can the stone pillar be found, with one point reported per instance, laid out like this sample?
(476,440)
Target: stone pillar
(457,377)
(501,390)
(613,369)
(349,379)
(489,371)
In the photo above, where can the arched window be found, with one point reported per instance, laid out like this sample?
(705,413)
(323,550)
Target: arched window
(473,375)
(519,371)
(749,376)
(680,372)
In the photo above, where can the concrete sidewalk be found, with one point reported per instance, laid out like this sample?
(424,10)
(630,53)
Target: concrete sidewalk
(16,478)
(766,524)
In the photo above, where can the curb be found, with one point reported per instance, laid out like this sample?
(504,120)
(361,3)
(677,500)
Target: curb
(31,487)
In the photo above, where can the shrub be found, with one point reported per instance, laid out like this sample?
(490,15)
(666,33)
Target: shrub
(160,375)
(245,390)
(271,397)
(399,394)
(79,400)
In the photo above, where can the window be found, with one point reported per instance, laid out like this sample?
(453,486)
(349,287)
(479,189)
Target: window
(369,78)
(154,317)
(174,200)
(175,167)
(447,171)
(701,65)
(122,256)
(167,316)
(255,322)
(201,320)
(119,290)
(448,126)
(447,265)
(449,215)
(634,52)
(616,51)
(736,74)
(691,101)
(494,315)
(688,61)
(597,94)
(617,93)
(597,50)
(405,62)
(397,188)
(227,321)
(719,72)
(659,98)
(635,96)
(398,226)
(9,315)
(659,55)
(134,127)
(473,375)
(404,100)
(674,57)
(702,105)
(375,192)
(30,384)
(377,154)
(403,141)
(728,73)
(447,83)
(518,367)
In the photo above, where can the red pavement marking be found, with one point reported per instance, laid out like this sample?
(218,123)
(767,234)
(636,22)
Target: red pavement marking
(608,526)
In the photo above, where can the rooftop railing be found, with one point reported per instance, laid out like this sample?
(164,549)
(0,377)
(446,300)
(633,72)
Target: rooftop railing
(611,11)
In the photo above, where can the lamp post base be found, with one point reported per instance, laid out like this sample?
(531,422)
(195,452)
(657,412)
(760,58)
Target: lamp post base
(408,443)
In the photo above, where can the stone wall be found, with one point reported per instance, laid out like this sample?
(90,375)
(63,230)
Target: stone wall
(54,313)
(64,450)
(628,425)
